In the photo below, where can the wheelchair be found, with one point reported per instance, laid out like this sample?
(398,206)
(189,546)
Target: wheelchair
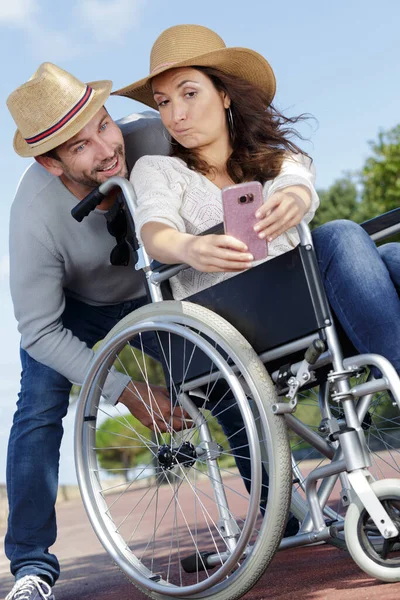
(283,418)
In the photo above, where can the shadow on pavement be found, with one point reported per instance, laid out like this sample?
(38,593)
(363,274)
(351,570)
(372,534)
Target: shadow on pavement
(312,573)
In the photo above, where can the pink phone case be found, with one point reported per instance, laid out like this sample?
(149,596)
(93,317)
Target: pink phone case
(240,203)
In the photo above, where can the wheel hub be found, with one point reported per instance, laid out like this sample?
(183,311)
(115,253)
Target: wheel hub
(184,454)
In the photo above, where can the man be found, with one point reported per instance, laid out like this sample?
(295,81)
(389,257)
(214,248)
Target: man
(66,297)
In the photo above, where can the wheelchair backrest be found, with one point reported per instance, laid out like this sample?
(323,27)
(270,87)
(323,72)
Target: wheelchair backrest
(143,134)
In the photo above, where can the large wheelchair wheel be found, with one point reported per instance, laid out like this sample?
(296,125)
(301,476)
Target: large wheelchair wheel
(381,425)
(189,512)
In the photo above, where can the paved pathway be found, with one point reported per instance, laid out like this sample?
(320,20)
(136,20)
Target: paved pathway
(313,573)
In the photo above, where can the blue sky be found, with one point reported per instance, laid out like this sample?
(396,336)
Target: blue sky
(339,61)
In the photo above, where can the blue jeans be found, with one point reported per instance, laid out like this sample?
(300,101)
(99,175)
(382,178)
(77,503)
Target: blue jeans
(362,284)
(35,438)
(34,445)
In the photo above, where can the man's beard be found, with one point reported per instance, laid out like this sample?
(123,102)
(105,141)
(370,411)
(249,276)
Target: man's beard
(93,180)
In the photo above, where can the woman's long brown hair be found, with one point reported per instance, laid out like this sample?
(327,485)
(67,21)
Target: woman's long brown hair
(260,136)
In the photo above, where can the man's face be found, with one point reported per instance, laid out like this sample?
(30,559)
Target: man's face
(92,156)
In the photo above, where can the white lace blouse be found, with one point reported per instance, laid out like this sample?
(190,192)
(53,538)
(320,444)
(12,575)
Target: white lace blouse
(169,192)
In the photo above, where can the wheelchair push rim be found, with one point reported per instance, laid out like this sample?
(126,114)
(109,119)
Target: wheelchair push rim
(144,571)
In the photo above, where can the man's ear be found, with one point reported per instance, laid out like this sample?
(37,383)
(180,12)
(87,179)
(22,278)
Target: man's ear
(51,165)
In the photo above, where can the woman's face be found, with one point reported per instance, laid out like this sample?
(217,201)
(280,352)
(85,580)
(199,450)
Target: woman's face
(191,108)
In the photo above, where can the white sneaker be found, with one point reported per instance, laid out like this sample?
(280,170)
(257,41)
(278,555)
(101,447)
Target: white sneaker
(30,587)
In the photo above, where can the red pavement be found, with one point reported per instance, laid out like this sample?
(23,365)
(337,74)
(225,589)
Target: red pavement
(313,573)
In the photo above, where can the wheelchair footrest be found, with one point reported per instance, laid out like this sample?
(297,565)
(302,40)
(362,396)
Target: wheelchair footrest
(197,562)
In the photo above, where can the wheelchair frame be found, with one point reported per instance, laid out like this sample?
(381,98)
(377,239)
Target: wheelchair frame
(346,447)
(300,372)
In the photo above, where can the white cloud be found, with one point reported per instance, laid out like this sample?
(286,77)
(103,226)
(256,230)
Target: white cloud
(17,11)
(59,45)
(26,15)
(109,21)
(101,21)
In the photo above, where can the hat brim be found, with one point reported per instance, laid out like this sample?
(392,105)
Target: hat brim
(240,62)
(102,91)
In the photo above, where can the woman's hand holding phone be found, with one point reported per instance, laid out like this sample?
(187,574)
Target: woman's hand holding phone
(283,209)
(208,253)
(217,253)
(240,203)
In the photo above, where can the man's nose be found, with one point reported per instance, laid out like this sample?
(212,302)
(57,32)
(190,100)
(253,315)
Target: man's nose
(104,150)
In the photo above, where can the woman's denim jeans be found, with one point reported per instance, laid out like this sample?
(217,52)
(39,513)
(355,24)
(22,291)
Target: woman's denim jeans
(362,284)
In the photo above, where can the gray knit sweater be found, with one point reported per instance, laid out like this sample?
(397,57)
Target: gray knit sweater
(53,256)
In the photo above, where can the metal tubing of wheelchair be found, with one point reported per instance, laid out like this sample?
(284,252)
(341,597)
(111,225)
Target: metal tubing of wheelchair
(155,292)
(343,385)
(304,539)
(323,400)
(383,365)
(334,468)
(363,406)
(310,436)
(304,234)
(301,539)
(369,387)
(326,487)
(212,465)
(385,233)
(126,188)
(323,360)
(144,261)
(130,199)
(157,278)
(289,348)
(352,451)
(323,494)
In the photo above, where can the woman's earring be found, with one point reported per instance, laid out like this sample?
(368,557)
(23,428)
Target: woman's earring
(230,122)
(169,138)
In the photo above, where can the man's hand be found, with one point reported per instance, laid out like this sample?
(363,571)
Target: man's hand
(283,210)
(152,406)
(215,253)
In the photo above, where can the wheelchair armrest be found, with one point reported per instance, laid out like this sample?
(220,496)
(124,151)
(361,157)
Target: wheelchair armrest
(383,226)
(162,271)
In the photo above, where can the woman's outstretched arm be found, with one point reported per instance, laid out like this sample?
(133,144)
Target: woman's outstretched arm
(208,253)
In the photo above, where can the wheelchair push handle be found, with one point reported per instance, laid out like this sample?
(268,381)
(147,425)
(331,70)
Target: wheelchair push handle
(95,197)
(89,203)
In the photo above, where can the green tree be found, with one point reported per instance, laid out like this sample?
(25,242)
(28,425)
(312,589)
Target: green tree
(338,202)
(380,177)
(121,445)
(132,361)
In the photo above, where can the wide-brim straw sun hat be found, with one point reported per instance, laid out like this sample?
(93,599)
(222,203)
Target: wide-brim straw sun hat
(52,107)
(195,45)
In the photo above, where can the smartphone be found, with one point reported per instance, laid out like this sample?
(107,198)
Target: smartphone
(240,203)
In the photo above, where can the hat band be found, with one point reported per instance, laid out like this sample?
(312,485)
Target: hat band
(163,65)
(32,141)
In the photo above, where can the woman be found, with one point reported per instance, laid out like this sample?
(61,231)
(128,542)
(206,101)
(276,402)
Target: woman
(218,139)
(215,103)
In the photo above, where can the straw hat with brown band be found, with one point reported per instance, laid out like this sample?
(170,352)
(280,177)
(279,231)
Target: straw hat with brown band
(195,45)
(52,107)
